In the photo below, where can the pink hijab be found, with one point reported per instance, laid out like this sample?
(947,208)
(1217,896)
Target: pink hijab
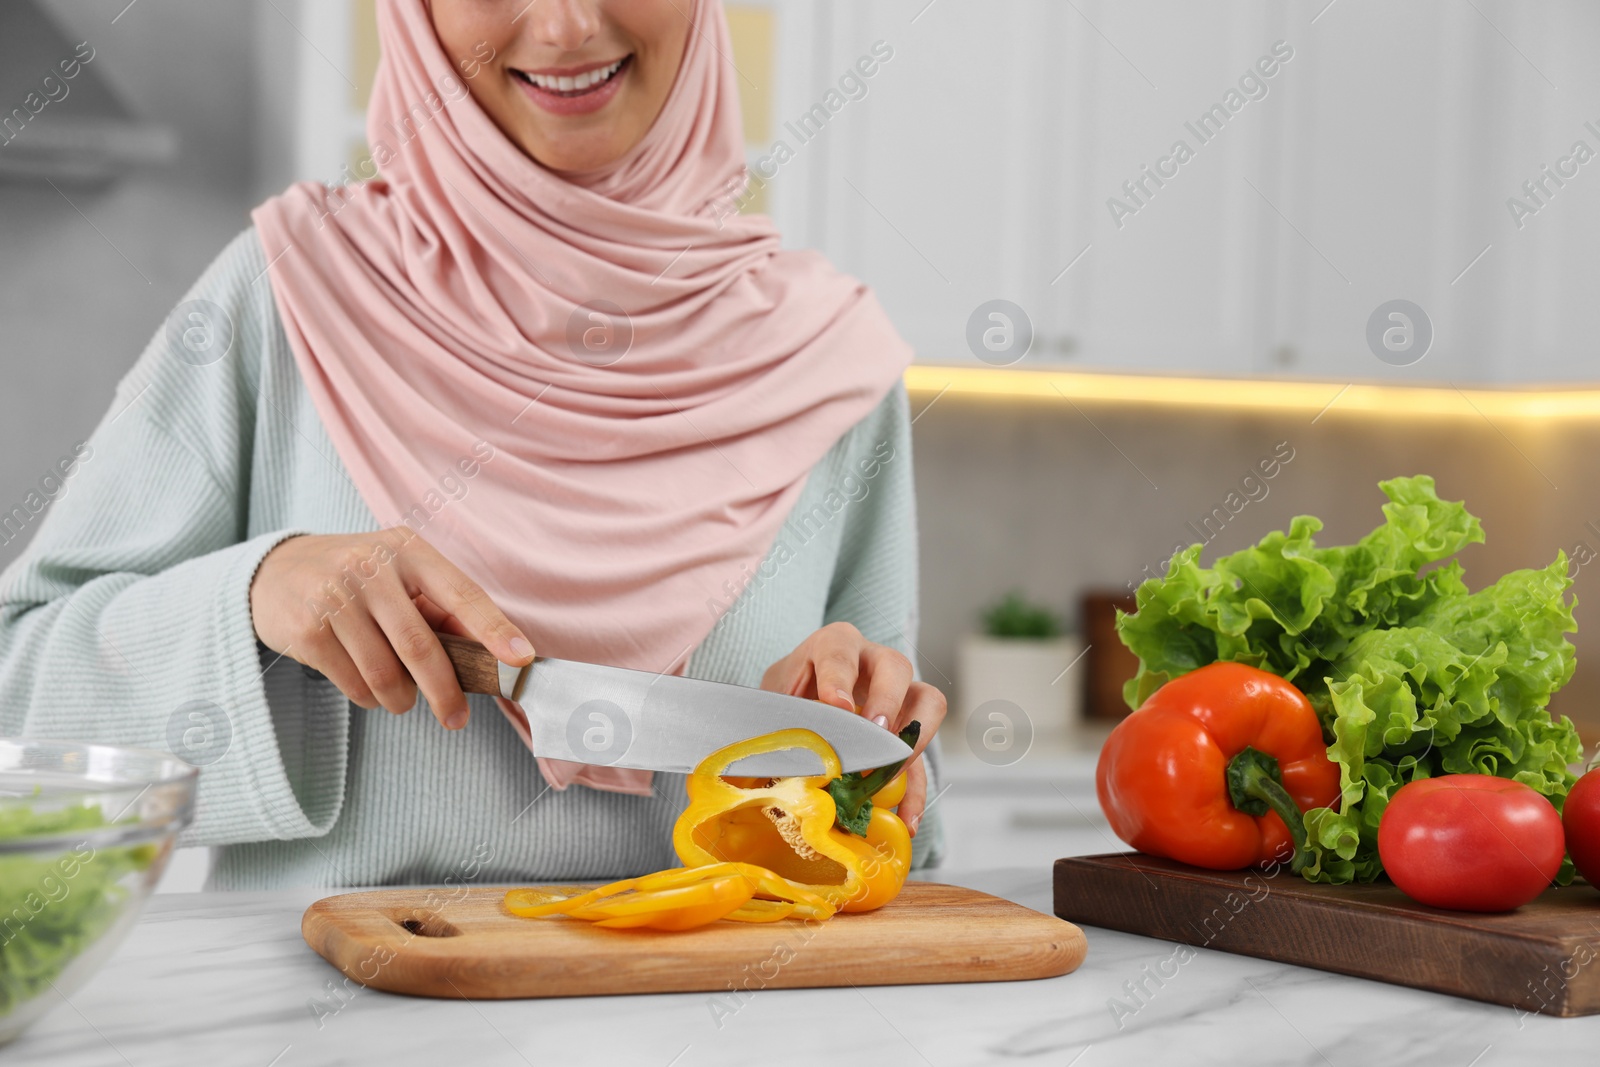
(609,495)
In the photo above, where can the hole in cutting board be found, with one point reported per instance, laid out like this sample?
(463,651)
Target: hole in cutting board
(424,924)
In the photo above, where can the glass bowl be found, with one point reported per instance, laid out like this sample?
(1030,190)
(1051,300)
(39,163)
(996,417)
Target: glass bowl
(85,832)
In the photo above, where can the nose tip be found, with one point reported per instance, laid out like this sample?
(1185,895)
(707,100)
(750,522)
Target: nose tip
(565,24)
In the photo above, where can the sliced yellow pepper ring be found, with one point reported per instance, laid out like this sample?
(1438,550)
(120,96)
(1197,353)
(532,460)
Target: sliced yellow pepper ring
(676,899)
(761,911)
(543,900)
(561,900)
(682,908)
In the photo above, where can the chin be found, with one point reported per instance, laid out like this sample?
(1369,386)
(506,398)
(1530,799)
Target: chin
(574,152)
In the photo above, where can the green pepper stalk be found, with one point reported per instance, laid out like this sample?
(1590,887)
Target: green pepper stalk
(1255,785)
(852,793)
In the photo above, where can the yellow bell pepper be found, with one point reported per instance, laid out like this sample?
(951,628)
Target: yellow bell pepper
(832,834)
(759,850)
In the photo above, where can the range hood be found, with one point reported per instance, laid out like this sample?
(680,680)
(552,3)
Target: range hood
(58,118)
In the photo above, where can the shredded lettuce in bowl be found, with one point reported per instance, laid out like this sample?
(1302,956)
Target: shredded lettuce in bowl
(1411,673)
(55,903)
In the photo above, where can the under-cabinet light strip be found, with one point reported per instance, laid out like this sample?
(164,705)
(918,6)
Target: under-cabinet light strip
(1317,397)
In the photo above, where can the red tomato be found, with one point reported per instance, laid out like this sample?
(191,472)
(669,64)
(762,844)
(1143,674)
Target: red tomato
(1471,842)
(1581,817)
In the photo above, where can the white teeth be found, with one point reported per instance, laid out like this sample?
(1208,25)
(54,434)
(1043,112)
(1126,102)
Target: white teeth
(578,83)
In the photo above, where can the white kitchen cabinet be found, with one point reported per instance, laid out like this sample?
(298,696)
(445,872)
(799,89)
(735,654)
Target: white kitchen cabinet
(1376,166)
(981,165)
(1418,123)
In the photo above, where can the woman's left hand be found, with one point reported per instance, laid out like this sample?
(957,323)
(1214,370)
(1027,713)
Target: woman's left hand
(838,666)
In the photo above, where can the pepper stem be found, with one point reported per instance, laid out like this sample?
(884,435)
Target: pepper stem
(1255,785)
(852,793)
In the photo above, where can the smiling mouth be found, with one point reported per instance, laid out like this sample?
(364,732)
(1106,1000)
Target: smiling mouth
(572,86)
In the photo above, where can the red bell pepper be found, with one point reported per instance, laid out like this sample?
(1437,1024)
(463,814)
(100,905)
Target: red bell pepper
(1216,768)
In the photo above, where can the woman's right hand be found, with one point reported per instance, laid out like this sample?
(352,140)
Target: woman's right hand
(363,608)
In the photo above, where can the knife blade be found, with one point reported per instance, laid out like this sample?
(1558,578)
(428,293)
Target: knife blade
(616,717)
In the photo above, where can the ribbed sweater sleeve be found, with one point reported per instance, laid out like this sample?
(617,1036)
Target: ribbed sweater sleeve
(874,583)
(127,618)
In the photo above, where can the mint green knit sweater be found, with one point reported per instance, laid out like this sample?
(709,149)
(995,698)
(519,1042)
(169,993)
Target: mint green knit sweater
(127,620)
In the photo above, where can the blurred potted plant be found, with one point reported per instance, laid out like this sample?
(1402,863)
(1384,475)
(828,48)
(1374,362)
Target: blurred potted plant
(1021,655)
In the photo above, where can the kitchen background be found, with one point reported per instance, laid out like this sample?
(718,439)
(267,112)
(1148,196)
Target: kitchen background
(1172,318)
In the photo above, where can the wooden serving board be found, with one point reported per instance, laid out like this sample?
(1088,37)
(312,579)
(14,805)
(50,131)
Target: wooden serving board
(1543,957)
(470,947)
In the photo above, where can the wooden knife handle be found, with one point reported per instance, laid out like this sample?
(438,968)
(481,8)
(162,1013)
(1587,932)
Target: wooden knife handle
(476,668)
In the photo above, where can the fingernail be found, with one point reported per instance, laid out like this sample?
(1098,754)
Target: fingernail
(520,646)
(846,696)
(881,720)
(916,821)
(456,721)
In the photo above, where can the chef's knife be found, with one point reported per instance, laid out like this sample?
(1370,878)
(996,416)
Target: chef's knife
(616,717)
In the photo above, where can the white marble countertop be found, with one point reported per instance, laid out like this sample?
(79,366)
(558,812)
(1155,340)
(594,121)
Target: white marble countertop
(215,978)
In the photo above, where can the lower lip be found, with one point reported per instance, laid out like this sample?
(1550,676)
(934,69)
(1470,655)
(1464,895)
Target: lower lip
(582,103)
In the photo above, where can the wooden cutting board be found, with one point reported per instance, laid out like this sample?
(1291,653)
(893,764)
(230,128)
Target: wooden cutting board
(469,947)
(1543,957)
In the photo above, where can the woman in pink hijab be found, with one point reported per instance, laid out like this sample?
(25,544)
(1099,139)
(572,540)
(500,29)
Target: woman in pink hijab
(596,172)
(536,383)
